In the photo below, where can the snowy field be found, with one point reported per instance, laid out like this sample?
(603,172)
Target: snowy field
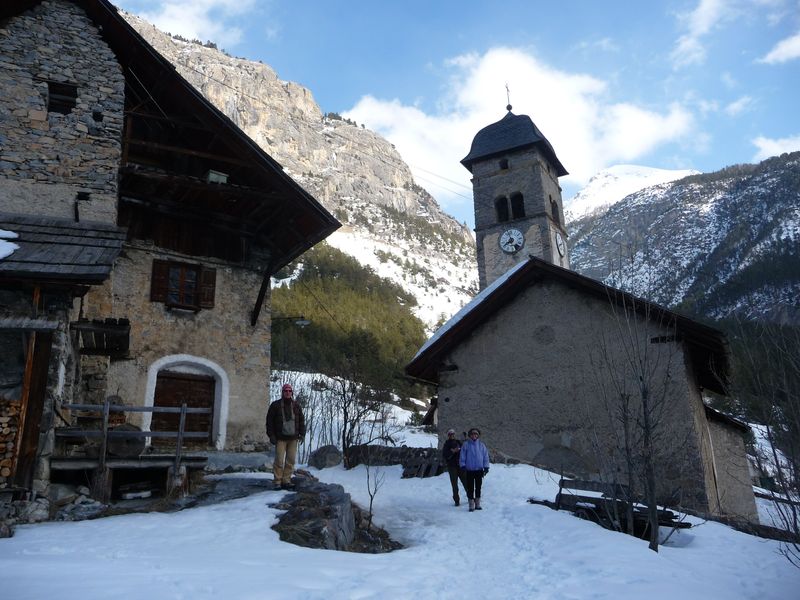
(511,549)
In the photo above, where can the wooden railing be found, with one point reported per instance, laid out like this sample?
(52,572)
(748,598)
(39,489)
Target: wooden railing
(107,433)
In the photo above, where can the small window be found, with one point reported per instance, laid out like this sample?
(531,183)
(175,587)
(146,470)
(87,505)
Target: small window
(182,285)
(501,207)
(61,97)
(554,211)
(517,206)
(503,164)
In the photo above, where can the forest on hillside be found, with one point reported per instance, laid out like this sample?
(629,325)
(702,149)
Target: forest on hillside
(360,325)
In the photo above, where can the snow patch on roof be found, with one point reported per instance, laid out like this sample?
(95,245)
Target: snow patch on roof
(6,247)
(469,307)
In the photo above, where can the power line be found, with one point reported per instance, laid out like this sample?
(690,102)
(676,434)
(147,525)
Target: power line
(340,136)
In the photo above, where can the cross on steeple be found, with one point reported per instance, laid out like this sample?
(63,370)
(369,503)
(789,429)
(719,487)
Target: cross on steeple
(508,98)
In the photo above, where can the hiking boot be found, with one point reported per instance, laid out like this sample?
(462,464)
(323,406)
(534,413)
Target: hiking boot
(471,505)
(478,504)
(457,501)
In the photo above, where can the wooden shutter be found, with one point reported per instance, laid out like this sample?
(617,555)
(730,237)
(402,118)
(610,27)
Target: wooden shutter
(159,282)
(208,283)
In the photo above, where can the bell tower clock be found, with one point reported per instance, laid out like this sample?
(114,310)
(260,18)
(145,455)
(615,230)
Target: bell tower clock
(518,207)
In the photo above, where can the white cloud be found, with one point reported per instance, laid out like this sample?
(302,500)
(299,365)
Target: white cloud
(689,48)
(200,19)
(588,131)
(784,51)
(774,146)
(739,106)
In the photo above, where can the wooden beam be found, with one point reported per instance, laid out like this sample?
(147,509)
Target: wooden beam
(262,292)
(187,151)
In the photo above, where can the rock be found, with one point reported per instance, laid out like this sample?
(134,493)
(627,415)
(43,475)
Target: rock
(61,494)
(324,457)
(322,515)
(6,530)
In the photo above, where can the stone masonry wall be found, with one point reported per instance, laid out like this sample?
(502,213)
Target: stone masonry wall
(530,174)
(533,381)
(218,341)
(46,158)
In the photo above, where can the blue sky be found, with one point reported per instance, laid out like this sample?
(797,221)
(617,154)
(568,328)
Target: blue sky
(677,84)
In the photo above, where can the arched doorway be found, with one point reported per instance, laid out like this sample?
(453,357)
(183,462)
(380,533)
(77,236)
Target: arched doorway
(200,383)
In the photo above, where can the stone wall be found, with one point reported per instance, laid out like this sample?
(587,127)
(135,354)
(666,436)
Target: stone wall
(530,174)
(731,472)
(47,158)
(218,341)
(534,381)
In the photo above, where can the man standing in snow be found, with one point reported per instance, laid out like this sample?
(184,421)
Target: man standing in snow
(474,460)
(285,428)
(450,452)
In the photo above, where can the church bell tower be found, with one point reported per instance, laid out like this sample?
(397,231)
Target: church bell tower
(518,207)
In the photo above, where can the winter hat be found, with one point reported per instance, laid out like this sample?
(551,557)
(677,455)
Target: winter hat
(451,432)
(287,387)
(476,430)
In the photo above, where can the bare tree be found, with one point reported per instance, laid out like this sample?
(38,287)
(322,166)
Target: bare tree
(766,384)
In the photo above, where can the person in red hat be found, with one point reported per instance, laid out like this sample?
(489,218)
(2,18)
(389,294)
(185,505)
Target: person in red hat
(286,427)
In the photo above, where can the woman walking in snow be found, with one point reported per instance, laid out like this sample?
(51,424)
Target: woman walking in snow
(474,460)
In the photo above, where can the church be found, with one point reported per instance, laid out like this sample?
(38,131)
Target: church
(557,369)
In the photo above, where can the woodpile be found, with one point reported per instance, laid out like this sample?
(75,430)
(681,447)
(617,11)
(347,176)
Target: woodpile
(9,428)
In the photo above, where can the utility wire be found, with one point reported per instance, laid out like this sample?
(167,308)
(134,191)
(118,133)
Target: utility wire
(340,136)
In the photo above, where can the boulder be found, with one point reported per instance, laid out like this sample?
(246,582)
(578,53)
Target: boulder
(324,457)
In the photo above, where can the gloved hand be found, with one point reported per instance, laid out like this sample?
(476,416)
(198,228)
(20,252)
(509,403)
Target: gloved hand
(486,471)
(272,441)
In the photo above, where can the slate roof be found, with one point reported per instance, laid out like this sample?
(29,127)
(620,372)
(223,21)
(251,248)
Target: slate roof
(512,132)
(60,250)
(707,347)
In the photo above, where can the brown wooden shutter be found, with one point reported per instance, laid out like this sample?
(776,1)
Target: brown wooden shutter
(208,283)
(159,282)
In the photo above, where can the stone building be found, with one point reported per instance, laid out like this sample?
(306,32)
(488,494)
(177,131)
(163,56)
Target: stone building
(545,361)
(102,141)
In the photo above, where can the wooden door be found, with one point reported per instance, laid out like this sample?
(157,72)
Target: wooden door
(174,389)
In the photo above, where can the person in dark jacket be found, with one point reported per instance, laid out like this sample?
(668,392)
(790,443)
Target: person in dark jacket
(474,461)
(450,452)
(286,427)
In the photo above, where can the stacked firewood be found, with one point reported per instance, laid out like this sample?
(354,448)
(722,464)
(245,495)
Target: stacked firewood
(9,427)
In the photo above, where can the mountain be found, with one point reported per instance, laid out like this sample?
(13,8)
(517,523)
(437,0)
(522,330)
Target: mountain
(711,244)
(390,223)
(613,184)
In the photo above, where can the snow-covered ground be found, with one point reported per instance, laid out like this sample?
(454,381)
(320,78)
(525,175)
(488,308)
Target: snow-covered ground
(511,549)
(455,275)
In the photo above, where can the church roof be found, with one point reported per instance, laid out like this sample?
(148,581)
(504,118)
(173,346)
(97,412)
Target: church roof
(512,132)
(707,347)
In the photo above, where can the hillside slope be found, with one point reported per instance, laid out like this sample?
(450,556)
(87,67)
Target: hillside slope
(713,244)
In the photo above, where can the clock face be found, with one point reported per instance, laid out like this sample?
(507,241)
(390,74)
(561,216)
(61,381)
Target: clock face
(561,245)
(512,241)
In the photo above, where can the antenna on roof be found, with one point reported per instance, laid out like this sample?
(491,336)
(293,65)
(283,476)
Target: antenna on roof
(508,98)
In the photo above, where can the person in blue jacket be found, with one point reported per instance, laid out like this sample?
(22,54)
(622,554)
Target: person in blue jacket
(474,461)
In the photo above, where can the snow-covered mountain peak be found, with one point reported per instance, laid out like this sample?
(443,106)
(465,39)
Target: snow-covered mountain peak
(611,185)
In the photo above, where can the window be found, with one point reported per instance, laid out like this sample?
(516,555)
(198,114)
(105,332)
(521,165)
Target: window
(61,97)
(517,206)
(501,207)
(554,211)
(503,164)
(182,285)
